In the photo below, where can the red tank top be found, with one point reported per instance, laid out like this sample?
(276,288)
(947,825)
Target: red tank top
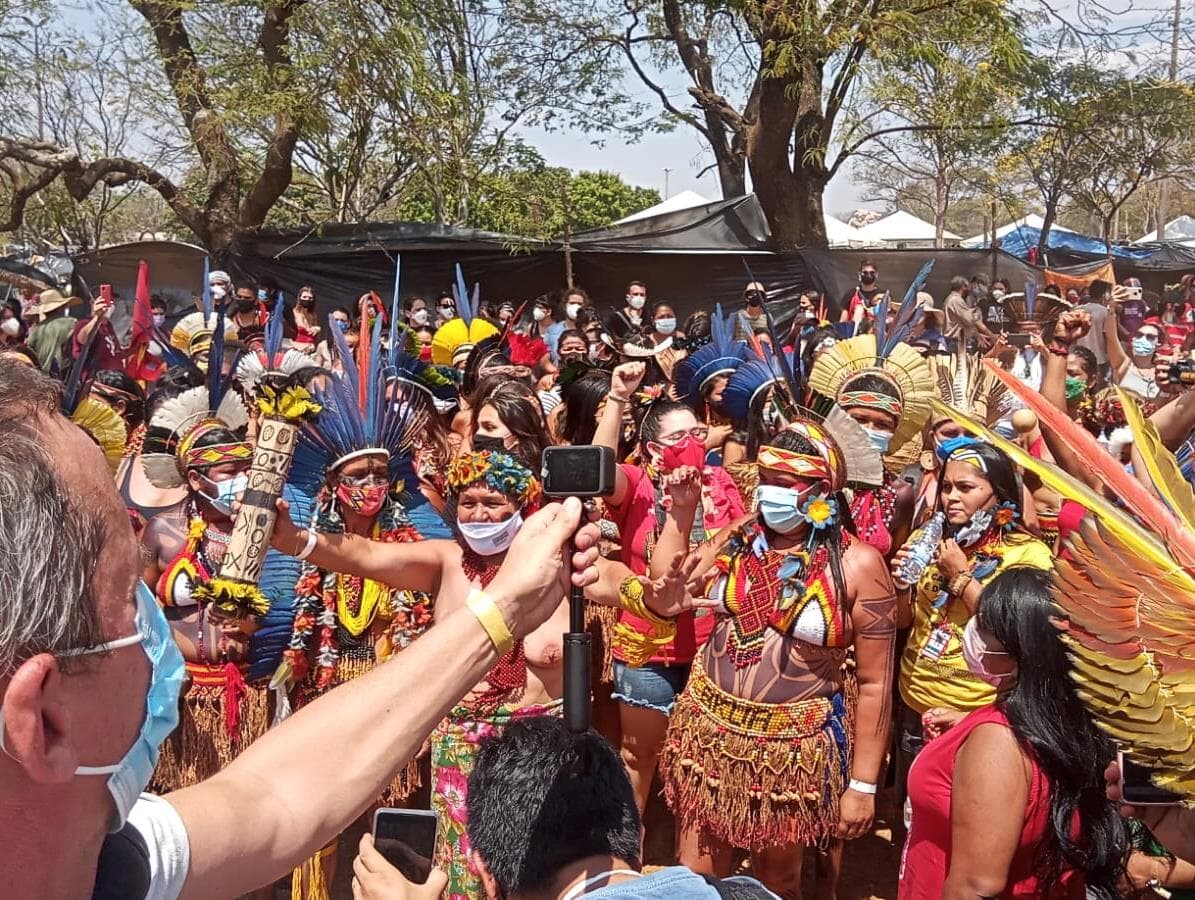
(926,858)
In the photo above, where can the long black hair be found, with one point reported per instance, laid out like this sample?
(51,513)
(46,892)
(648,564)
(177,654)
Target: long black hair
(1052,726)
(583,397)
(1000,473)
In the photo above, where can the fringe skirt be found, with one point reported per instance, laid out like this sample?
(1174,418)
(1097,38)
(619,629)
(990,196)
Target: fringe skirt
(454,747)
(756,775)
(599,622)
(219,716)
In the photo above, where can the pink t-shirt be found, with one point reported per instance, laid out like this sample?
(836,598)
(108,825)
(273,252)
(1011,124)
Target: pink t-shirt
(636,521)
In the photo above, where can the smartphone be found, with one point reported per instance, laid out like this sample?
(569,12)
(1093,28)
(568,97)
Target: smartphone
(407,838)
(1133,293)
(1019,339)
(1137,790)
(578,471)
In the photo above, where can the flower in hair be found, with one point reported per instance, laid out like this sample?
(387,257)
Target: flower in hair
(820,512)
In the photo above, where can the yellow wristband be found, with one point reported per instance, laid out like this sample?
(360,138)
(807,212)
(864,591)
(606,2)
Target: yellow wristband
(491,620)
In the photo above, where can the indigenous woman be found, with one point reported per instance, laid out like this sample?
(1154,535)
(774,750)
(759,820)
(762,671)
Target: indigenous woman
(768,749)
(355,458)
(489,493)
(197,441)
(887,390)
(670,438)
(981,499)
(702,376)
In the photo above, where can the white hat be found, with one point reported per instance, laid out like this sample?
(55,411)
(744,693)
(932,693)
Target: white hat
(218,277)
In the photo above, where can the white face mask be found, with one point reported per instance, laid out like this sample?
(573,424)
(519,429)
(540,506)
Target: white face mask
(227,492)
(975,653)
(572,309)
(997,294)
(540,314)
(880,440)
(491,538)
(419,317)
(666,325)
(11,327)
(636,302)
(219,292)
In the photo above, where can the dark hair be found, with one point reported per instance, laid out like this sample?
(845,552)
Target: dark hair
(1052,726)
(819,334)
(874,383)
(577,292)
(831,537)
(631,284)
(1000,473)
(1003,281)
(661,304)
(547,302)
(866,262)
(1090,364)
(519,409)
(1097,290)
(582,397)
(169,385)
(134,402)
(653,418)
(157,301)
(697,327)
(409,301)
(541,797)
(571,333)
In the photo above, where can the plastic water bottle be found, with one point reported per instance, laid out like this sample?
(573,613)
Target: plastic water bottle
(921,548)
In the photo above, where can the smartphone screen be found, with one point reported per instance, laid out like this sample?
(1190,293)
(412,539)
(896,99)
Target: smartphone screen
(407,838)
(106,292)
(1019,339)
(1138,790)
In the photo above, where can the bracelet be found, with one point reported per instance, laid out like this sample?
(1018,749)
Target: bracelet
(1058,348)
(311,539)
(861,787)
(959,583)
(630,598)
(491,620)
(617,399)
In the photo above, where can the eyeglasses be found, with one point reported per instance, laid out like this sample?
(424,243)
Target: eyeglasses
(700,432)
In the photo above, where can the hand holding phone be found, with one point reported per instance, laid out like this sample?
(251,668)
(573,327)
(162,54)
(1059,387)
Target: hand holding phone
(404,838)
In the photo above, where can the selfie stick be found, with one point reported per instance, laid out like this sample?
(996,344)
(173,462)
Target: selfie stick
(577,662)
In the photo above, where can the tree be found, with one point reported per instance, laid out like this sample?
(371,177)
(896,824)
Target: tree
(799,64)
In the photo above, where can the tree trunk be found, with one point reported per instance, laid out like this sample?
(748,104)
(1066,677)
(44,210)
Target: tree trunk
(940,207)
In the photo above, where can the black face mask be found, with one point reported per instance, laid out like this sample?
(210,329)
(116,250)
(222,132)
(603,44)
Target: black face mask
(867,279)
(489,443)
(244,306)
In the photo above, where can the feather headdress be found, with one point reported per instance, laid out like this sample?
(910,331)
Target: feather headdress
(721,356)
(168,450)
(841,367)
(192,334)
(1127,591)
(454,339)
(964,383)
(375,411)
(271,359)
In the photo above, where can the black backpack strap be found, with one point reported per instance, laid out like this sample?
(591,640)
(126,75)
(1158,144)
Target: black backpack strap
(123,871)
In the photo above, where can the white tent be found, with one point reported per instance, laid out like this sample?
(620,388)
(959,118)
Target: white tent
(840,234)
(902,229)
(1180,229)
(1030,221)
(675,203)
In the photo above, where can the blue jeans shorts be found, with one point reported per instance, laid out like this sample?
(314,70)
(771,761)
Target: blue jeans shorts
(651,686)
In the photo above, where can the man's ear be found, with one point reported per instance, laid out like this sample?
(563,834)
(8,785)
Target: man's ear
(37,724)
(477,864)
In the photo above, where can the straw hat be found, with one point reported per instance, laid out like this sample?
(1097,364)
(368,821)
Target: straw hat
(48,301)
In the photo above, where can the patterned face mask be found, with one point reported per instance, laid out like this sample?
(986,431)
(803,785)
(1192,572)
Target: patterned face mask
(365,501)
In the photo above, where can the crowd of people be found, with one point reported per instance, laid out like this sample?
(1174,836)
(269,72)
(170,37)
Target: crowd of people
(828,573)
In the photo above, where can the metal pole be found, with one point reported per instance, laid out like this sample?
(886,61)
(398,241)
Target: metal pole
(667,172)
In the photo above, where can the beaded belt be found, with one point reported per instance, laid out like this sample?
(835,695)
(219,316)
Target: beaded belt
(800,719)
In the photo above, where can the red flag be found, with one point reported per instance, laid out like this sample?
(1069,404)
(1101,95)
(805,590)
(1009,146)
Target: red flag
(138,366)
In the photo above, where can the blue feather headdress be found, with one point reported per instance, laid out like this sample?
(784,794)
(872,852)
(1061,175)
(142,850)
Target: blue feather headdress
(721,356)
(394,412)
(754,376)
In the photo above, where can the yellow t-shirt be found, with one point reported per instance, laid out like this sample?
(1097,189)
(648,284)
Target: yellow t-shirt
(927,682)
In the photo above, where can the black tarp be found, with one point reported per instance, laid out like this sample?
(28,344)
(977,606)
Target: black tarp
(1167,263)
(725,226)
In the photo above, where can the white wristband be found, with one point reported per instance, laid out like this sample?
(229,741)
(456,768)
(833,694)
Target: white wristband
(861,787)
(306,551)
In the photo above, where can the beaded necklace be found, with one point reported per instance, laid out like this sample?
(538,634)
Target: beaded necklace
(510,672)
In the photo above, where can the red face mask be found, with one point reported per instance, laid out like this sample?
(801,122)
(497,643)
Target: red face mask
(425,353)
(688,451)
(365,501)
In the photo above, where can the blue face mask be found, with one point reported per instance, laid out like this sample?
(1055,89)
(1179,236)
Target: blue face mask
(227,492)
(1143,346)
(129,777)
(880,440)
(342,324)
(780,507)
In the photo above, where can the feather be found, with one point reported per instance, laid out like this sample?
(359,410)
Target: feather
(273,336)
(461,295)
(863,462)
(1160,463)
(232,412)
(347,360)
(1107,470)
(880,326)
(215,361)
(394,302)
(908,316)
